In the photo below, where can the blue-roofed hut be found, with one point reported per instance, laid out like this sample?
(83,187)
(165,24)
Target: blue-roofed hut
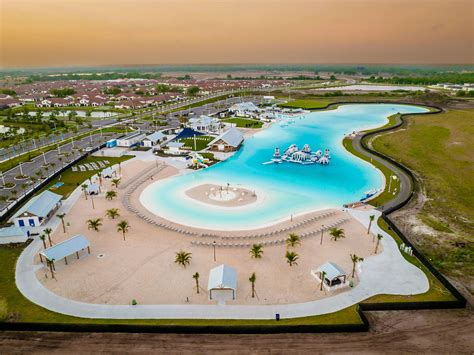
(38,210)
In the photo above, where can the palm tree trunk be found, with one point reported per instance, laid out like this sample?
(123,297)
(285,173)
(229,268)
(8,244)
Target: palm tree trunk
(353,269)
(253,289)
(368,229)
(197,285)
(50,242)
(377,246)
(123,235)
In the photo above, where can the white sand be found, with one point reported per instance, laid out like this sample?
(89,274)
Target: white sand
(143,268)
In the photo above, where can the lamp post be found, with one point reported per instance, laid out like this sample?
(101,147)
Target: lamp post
(214,246)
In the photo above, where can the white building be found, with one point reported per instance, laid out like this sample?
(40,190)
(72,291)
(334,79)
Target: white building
(244,109)
(204,124)
(153,139)
(174,148)
(228,141)
(38,210)
(130,140)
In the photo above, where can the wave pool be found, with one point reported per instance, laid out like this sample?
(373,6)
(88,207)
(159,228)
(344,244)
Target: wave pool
(282,189)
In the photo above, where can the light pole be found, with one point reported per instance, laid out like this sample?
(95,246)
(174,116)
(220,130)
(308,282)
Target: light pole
(44,158)
(322,231)
(214,246)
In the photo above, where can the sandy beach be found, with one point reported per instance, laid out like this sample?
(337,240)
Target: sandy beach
(142,267)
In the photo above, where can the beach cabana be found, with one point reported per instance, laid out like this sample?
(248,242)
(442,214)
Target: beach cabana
(333,274)
(222,281)
(66,248)
(93,189)
(108,172)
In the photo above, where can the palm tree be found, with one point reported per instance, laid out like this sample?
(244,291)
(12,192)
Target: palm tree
(115,182)
(43,239)
(256,251)
(355,259)
(371,219)
(252,280)
(291,257)
(112,213)
(323,275)
(183,258)
(123,227)
(196,277)
(48,232)
(336,233)
(379,238)
(293,240)
(84,189)
(61,217)
(94,224)
(110,195)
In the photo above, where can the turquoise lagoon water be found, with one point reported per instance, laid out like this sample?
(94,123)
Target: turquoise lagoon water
(283,189)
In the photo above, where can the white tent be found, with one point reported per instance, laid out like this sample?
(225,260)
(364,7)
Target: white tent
(222,278)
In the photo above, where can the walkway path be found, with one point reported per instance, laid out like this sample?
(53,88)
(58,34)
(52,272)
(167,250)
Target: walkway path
(386,273)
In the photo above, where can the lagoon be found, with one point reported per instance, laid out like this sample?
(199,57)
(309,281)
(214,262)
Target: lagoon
(282,189)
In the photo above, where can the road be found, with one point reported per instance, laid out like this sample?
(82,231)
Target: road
(48,163)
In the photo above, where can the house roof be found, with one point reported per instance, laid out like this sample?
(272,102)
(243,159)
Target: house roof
(66,248)
(132,135)
(244,106)
(232,137)
(12,231)
(222,276)
(155,136)
(40,205)
(332,270)
(175,144)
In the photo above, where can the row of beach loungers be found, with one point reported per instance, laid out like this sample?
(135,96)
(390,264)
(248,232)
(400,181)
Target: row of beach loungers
(134,183)
(271,242)
(278,231)
(91,166)
(139,179)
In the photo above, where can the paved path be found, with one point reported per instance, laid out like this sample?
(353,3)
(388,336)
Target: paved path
(386,273)
(405,181)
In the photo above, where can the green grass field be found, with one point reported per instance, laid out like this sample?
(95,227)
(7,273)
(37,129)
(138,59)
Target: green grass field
(201,142)
(245,122)
(306,104)
(440,149)
(73,179)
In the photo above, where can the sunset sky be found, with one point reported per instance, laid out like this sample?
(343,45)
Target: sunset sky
(48,33)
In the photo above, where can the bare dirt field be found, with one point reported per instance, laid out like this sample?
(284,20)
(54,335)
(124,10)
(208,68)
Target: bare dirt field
(427,332)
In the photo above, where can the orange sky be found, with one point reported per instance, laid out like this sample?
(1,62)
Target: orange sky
(43,33)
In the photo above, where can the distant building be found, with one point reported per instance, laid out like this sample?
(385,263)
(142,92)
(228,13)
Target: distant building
(38,210)
(204,124)
(244,109)
(130,140)
(228,141)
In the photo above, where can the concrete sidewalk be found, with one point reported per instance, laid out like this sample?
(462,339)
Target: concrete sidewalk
(386,273)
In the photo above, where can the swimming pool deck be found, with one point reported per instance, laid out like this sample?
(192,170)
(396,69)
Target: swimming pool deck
(386,273)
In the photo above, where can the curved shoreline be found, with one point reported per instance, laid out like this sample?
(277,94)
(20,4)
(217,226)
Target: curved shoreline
(240,312)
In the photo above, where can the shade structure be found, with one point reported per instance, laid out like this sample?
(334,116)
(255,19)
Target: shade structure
(66,248)
(222,277)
